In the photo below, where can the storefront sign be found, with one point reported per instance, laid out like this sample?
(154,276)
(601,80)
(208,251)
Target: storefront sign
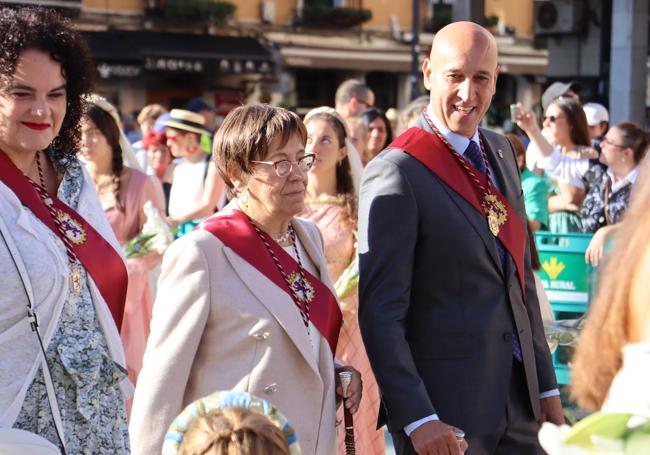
(173,64)
(108,70)
(244,66)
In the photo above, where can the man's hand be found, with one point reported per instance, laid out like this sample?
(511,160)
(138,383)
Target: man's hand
(353,398)
(436,438)
(551,410)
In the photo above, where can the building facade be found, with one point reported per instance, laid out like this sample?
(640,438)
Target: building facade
(289,52)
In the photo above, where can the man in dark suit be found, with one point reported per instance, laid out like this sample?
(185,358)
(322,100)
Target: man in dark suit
(448,309)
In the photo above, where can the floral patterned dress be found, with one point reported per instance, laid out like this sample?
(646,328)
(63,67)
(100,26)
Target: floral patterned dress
(85,377)
(597,209)
(329,214)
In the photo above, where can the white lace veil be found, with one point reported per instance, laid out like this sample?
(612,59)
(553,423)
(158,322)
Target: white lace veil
(356,166)
(128,157)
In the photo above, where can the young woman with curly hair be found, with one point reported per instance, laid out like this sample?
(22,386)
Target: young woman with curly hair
(58,254)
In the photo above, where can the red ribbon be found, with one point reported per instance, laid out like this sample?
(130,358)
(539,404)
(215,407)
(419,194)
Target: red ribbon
(429,150)
(98,257)
(236,231)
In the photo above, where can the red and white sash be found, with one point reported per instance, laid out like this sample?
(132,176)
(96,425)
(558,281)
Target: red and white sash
(236,231)
(429,150)
(95,253)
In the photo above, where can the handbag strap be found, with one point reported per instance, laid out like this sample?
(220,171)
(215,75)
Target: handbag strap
(33,322)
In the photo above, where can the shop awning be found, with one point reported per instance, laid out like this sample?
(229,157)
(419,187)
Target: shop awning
(376,54)
(120,53)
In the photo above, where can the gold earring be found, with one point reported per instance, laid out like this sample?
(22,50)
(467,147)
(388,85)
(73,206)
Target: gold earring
(243,198)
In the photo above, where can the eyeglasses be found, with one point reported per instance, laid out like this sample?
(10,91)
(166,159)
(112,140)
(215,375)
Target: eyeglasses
(606,141)
(364,102)
(284,167)
(551,118)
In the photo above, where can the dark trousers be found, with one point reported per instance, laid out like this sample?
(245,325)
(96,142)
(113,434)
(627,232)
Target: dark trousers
(515,435)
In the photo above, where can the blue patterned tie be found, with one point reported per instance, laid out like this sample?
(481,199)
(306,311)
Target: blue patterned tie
(474,155)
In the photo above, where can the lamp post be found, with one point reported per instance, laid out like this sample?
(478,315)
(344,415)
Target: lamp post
(415,50)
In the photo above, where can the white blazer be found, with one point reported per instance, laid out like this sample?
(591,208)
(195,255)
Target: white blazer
(219,324)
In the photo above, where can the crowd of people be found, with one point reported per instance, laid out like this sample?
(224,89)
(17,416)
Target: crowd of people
(329,269)
(578,172)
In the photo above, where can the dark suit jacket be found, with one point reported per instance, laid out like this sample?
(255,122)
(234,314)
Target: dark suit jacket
(437,311)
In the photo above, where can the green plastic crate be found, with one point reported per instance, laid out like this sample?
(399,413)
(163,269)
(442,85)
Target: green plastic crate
(568,282)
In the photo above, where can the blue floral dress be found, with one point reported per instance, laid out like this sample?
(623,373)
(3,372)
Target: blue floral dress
(86,379)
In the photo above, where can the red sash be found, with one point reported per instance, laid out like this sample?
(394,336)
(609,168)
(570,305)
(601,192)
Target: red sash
(236,232)
(98,257)
(429,150)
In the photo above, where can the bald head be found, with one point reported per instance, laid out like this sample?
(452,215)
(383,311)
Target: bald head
(464,37)
(461,74)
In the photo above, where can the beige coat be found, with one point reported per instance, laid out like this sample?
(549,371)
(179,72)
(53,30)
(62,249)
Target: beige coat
(219,324)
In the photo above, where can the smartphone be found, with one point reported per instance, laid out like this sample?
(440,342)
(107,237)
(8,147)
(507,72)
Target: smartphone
(514,112)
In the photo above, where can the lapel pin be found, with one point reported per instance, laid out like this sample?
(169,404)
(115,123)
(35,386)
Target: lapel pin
(500,152)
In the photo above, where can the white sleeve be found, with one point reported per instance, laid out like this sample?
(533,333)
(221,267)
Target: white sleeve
(565,169)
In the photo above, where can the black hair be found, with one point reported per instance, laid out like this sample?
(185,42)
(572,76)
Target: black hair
(45,30)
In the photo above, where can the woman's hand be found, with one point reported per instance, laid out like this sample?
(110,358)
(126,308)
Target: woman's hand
(526,120)
(172,222)
(353,397)
(596,247)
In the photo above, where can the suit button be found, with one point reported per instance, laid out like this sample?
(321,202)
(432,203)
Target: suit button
(507,336)
(271,389)
(261,336)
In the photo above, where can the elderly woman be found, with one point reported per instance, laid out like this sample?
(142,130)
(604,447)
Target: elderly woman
(58,254)
(244,301)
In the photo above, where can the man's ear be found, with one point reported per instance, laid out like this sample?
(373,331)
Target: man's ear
(426,73)
(496,76)
(353,104)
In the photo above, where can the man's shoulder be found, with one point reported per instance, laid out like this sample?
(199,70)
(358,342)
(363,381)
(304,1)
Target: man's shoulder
(493,136)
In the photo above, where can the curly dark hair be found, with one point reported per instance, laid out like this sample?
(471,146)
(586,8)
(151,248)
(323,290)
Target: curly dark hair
(45,30)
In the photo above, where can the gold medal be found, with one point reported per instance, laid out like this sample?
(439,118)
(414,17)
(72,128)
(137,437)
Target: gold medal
(493,223)
(75,279)
(496,213)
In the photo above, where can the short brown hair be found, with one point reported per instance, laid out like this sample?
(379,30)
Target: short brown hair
(351,88)
(150,111)
(633,137)
(233,431)
(247,133)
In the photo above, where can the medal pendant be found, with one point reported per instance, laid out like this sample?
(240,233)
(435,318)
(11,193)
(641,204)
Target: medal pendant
(75,280)
(495,212)
(493,223)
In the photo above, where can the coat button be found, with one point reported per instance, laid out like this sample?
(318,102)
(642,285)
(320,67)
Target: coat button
(261,336)
(270,389)
(507,336)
